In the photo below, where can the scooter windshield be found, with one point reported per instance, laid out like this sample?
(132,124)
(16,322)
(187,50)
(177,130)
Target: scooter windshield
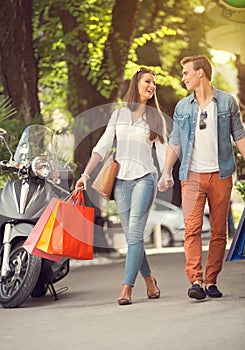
(36,141)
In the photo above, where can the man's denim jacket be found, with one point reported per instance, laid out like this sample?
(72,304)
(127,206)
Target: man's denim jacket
(228,122)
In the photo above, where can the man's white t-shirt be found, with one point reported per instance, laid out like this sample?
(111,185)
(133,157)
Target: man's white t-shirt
(205,148)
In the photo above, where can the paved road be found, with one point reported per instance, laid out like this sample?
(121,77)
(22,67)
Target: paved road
(88,317)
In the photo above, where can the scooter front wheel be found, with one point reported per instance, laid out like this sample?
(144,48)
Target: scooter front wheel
(17,286)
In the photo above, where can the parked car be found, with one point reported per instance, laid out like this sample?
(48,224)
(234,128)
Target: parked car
(170,219)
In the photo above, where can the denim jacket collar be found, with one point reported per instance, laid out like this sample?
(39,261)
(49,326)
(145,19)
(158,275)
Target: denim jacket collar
(215,97)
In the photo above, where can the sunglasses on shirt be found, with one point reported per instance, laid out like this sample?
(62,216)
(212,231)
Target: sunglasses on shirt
(202,124)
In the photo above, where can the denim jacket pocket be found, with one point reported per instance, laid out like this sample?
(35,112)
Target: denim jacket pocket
(224,120)
(183,122)
(183,118)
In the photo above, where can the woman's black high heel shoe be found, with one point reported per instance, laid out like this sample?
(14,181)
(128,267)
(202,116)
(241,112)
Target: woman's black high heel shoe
(154,295)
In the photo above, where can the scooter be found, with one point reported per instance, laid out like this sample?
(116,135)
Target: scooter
(38,177)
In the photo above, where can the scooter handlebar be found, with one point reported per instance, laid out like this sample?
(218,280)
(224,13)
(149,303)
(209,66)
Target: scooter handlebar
(5,166)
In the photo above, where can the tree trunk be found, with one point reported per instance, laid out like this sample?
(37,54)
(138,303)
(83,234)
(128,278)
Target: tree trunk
(82,95)
(17,62)
(124,19)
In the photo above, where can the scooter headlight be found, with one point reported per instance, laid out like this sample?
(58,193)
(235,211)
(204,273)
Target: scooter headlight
(41,167)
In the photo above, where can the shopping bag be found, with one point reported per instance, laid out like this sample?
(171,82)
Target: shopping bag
(237,249)
(44,224)
(46,235)
(105,180)
(72,234)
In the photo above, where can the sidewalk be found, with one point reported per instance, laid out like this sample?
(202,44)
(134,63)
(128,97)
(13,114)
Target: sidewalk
(87,316)
(173,322)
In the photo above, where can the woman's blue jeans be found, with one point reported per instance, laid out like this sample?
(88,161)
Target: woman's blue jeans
(134,199)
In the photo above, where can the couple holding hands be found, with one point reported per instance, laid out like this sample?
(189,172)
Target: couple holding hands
(204,125)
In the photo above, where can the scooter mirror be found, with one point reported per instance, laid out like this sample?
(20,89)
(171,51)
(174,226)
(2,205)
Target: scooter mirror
(3,133)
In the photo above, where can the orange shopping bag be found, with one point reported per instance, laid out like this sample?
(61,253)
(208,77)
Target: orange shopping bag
(46,235)
(44,224)
(73,230)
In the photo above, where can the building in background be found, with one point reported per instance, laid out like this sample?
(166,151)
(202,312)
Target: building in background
(229,35)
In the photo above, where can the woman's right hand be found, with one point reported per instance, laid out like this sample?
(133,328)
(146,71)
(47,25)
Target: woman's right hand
(82,182)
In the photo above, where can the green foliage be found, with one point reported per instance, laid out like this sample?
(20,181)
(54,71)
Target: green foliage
(6,109)
(220,82)
(8,123)
(240,163)
(50,52)
(4,178)
(240,187)
(166,29)
(93,21)
(12,126)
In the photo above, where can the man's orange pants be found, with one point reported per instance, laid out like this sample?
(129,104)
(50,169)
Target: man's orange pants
(195,191)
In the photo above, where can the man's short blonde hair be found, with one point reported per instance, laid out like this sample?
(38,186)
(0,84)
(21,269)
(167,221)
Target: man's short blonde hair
(199,61)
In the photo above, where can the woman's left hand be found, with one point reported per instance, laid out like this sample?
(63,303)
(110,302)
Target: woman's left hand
(165,181)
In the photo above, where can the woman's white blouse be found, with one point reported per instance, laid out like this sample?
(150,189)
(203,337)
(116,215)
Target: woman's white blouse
(133,146)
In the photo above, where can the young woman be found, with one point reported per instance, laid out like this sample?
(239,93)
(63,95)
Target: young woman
(137,126)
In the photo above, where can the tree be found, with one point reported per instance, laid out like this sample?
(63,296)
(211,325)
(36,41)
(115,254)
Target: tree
(86,86)
(86,81)
(86,52)
(91,39)
(19,73)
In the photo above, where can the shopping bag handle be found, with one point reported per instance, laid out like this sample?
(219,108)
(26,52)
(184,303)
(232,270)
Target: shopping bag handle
(76,197)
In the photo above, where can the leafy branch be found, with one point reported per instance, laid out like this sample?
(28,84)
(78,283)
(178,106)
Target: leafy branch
(240,187)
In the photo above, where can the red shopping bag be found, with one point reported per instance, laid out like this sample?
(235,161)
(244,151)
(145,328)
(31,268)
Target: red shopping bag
(45,225)
(72,234)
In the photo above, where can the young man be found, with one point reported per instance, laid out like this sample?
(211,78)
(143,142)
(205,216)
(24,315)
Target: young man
(204,123)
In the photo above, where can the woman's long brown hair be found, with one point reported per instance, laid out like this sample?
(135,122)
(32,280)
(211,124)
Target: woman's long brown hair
(152,110)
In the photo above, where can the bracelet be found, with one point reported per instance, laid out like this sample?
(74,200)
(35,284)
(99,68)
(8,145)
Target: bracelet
(86,175)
